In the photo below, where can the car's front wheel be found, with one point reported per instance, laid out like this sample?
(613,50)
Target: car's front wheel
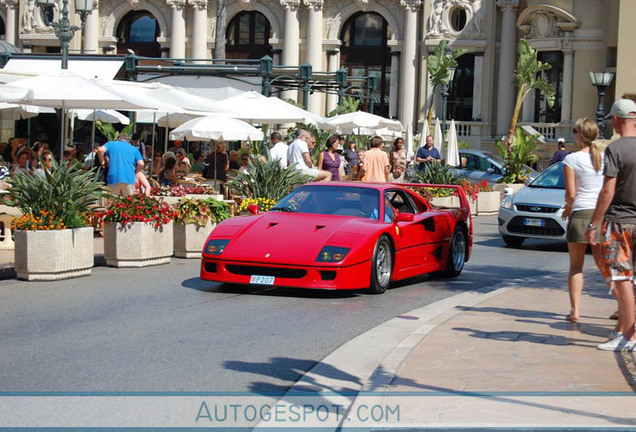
(381,266)
(513,241)
(456,254)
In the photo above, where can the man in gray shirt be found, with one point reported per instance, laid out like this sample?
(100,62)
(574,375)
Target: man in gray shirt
(616,209)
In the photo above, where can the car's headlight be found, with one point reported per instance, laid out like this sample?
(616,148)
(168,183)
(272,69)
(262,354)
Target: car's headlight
(507,201)
(332,254)
(216,246)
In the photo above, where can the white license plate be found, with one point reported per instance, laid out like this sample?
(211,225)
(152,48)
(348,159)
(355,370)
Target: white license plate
(262,280)
(533,222)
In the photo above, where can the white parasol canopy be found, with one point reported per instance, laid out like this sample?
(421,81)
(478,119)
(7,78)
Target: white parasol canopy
(12,94)
(452,147)
(18,112)
(360,123)
(71,91)
(217,127)
(409,141)
(256,108)
(106,116)
(438,138)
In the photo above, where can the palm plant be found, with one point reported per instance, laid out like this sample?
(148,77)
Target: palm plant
(266,179)
(65,192)
(438,66)
(528,78)
(109,131)
(520,153)
(436,173)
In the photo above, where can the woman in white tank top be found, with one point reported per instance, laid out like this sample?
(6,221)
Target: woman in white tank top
(583,172)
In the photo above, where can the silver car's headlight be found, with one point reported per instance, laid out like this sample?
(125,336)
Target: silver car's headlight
(507,202)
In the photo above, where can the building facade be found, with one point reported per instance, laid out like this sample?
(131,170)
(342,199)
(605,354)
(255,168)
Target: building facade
(391,39)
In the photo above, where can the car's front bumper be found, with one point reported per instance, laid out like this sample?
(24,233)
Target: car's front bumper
(542,225)
(320,277)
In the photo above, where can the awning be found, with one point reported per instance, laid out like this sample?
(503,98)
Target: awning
(103,68)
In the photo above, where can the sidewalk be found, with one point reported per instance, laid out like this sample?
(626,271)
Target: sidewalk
(502,359)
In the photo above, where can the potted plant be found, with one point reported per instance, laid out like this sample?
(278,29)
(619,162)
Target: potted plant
(53,237)
(436,173)
(193,221)
(137,232)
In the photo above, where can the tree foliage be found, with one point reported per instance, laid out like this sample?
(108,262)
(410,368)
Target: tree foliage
(438,66)
(109,131)
(520,153)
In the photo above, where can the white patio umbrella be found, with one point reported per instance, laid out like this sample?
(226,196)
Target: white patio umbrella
(216,127)
(452,148)
(104,115)
(19,112)
(12,94)
(359,123)
(256,108)
(70,91)
(409,141)
(438,138)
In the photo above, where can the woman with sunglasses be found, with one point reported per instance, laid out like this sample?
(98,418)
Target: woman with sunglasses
(156,164)
(583,174)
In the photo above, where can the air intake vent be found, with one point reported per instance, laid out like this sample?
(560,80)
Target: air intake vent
(319,227)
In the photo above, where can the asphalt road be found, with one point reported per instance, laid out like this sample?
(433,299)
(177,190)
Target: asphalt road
(163,329)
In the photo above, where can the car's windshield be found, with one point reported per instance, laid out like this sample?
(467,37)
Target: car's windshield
(334,200)
(551,178)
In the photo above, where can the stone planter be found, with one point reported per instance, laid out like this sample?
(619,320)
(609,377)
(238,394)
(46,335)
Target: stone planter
(488,202)
(450,202)
(189,239)
(137,244)
(53,255)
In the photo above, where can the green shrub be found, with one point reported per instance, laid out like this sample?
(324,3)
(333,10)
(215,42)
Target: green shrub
(266,179)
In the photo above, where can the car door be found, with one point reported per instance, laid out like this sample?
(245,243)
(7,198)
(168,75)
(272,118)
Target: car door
(419,242)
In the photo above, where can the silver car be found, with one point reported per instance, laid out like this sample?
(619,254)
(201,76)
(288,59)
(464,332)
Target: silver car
(535,211)
(478,165)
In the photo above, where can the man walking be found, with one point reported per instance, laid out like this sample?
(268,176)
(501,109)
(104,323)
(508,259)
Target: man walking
(279,149)
(298,155)
(376,164)
(124,161)
(617,202)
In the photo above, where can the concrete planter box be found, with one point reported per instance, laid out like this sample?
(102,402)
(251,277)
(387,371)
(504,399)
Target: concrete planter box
(54,255)
(171,200)
(137,244)
(450,202)
(488,202)
(189,239)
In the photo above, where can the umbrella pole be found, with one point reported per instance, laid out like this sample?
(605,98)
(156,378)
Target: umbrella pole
(62,133)
(93,132)
(165,140)
(152,159)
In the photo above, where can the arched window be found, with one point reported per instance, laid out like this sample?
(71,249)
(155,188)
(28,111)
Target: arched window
(247,36)
(365,52)
(138,31)
(460,98)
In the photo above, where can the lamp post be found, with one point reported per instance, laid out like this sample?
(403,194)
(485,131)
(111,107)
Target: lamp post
(601,81)
(63,28)
(446,86)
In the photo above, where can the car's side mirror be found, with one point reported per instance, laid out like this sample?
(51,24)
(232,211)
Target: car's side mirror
(490,170)
(253,209)
(404,217)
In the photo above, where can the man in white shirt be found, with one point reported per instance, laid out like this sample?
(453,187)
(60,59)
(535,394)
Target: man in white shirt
(298,155)
(279,149)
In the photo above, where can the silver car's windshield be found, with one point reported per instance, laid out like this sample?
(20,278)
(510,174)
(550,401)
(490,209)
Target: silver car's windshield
(551,178)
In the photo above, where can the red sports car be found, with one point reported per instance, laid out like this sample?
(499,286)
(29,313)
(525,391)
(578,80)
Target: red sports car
(336,235)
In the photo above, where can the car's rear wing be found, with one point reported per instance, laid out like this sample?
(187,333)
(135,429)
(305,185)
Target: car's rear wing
(427,191)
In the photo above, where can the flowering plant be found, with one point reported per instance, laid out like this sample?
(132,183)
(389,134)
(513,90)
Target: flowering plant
(59,198)
(198,212)
(179,190)
(264,204)
(138,208)
(43,221)
(472,190)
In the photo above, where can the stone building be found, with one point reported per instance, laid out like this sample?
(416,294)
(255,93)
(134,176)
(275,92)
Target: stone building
(389,38)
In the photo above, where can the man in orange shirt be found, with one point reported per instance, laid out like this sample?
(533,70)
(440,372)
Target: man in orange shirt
(376,165)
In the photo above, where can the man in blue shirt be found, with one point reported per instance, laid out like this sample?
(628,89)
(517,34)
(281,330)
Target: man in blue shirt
(427,154)
(124,161)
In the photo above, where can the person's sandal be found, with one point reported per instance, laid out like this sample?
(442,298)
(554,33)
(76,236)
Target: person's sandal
(614,316)
(569,317)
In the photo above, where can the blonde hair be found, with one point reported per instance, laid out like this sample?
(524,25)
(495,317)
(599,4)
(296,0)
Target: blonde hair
(588,133)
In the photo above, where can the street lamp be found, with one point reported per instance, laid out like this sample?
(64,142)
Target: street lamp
(63,28)
(446,86)
(601,81)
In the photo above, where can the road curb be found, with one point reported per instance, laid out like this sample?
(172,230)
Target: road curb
(373,359)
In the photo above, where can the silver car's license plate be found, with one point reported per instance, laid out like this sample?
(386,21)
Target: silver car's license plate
(262,280)
(533,222)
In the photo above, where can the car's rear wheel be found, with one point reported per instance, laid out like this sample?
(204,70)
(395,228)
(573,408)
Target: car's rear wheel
(457,254)
(381,266)
(513,241)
